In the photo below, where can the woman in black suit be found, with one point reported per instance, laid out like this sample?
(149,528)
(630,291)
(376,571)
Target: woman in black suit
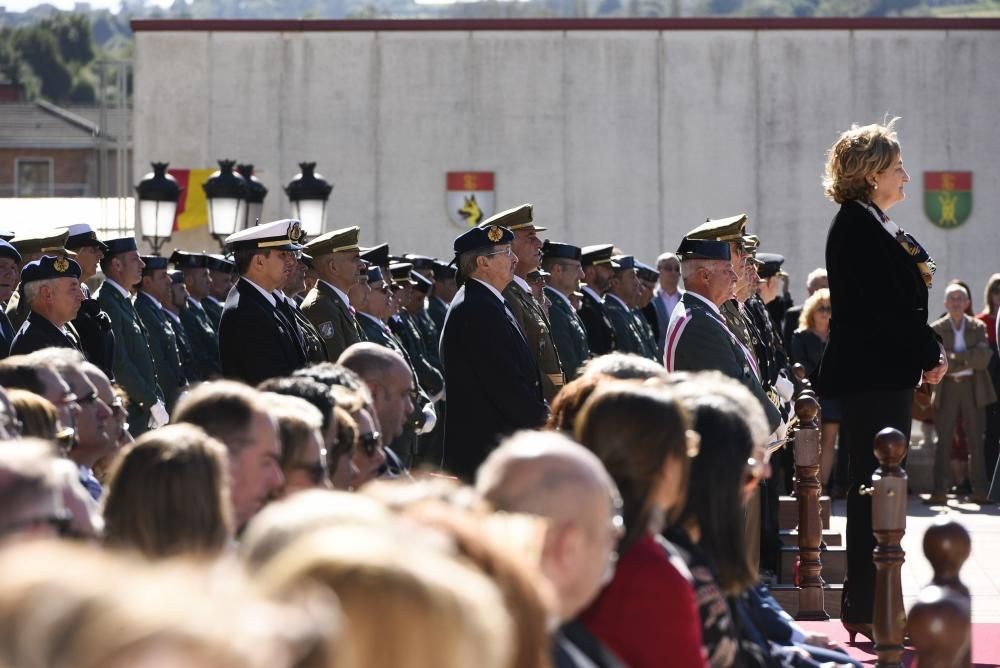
(880,346)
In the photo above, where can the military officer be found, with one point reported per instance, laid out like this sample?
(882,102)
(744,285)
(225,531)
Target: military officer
(134,369)
(173,307)
(644,312)
(12,261)
(442,293)
(220,273)
(697,336)
(91,323)
(338,264)
(256,340)
(51,290)
(404,326)
(154,290)
(308,336)
(494,385)
(562,262)
(619,301)
(199,329)
(416,306)
(597,274)
(32,247)
(527,248)
(421,264)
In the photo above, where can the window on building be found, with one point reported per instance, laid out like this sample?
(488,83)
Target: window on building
(34,177)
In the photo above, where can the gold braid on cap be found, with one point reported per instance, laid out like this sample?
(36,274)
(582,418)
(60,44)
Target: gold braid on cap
(295,231)
(61,265)
(494,234)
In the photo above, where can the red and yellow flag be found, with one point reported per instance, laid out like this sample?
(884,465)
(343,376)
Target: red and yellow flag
(192,208)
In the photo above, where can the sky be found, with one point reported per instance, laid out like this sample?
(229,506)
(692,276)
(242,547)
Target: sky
(22,5)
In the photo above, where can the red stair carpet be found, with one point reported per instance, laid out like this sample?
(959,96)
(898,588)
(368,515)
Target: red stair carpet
(985,644)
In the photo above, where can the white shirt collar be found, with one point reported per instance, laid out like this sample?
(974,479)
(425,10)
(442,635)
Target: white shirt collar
(713,306)
(267,295)
(173,315)
(214,300)
(617,299)
(491,289)
(590,291)
(194,303)
(522,283)
(125,293)
(561,295)
(280,295)
(372,318)
(340,293)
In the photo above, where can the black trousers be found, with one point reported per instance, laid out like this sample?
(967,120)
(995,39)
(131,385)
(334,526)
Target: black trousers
(865,414)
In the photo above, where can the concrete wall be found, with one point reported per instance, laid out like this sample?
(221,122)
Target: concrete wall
(631,136)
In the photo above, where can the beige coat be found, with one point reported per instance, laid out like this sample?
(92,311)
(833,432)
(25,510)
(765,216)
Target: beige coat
(976,357)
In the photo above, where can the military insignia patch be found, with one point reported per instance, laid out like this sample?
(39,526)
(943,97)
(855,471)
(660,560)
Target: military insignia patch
(326,329)
(295,231)
(61,265)
(948,197)
(494,234)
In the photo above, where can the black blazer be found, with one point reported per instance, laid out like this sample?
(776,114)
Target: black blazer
(879,336)
(600,331)
(256,342)
(37,333)
(491,379)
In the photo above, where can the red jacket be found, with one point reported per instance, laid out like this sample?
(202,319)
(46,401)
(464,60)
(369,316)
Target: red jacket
(647,613)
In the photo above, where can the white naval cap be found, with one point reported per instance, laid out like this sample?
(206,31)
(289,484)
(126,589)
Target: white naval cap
(280,235)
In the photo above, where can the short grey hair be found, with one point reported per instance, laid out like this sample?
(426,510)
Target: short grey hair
(663,257)
(467,261)
(814,276)
(32,289)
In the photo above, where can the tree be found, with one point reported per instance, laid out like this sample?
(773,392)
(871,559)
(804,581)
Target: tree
(39,49)
(72,34)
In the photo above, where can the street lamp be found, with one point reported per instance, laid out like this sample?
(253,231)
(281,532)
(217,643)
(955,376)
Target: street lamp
(158,194)
(308,192)
(253,198)
(224,191)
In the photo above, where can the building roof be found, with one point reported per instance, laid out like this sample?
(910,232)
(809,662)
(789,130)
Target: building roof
(41,124)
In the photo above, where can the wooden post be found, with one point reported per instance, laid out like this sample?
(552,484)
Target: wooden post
(807,446)
(889,524)
(941,620)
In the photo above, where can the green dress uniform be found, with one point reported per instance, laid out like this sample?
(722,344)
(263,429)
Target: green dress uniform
(333,319)
(213,310)
(204,340)
(135,369)
(568,334)
(163,346)
(646,335)
(535,326)
(406,330)
(437,309)
(184,348)
(627,337)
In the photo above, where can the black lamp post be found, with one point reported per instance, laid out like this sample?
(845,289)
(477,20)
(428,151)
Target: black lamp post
(253,198)
(158,194)
(308,192)
(225,191)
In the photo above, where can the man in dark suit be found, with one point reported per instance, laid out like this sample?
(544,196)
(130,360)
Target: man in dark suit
(135,370)
(698,338)
(597,272)
(548,475)
(562,262)
(149,299)
(666,294)
(10,262)
(289,297)
(51,290)
(92,324)
(328,306)
(256,340)
(491,377)
(200,328)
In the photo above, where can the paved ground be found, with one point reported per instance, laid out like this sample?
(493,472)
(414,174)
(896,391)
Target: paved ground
(981,572)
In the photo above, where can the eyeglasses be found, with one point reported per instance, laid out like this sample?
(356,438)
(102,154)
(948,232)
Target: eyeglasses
(509,252)
(315,470)
(88,399)
(370,442)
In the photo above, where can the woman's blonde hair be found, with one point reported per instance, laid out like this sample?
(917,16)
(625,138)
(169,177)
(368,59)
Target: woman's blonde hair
(807,319)
(857,154)
(168,494)
(37,414)
(441,613)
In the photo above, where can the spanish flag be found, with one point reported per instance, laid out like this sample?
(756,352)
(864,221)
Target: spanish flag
(192,208)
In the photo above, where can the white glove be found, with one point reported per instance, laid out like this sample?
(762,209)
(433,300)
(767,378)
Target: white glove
(784,387)
(430,419)
(158,415)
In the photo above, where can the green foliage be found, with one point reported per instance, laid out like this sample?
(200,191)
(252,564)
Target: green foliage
(40,50)
(73,35)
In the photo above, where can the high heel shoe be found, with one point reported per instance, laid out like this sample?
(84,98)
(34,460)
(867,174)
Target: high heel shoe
(854,628)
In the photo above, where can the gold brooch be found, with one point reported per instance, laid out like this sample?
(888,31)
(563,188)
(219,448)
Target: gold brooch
(295,231)
(494,234)
(61,265)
